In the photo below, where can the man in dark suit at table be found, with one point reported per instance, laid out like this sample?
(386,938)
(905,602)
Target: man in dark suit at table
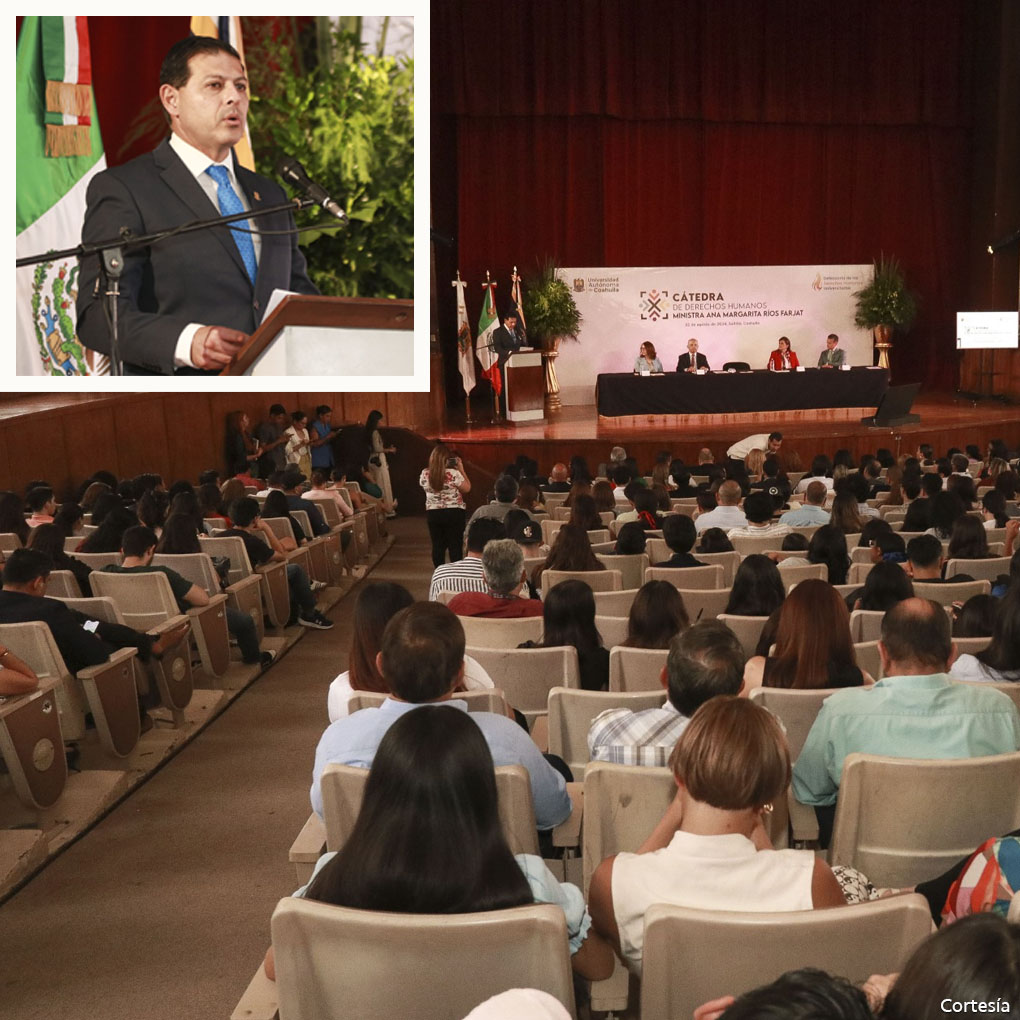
(692,360)
(189,303)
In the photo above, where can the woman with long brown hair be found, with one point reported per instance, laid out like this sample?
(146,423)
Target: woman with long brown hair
(570,551)
(814,648)
(445,483)
(239,449)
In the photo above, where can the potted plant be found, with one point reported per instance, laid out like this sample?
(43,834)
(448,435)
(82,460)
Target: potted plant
(549,310)
(884,305)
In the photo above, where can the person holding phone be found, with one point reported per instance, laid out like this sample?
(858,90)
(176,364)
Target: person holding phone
(445,483)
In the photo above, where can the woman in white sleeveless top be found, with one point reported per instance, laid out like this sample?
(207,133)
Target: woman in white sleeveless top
(711,851)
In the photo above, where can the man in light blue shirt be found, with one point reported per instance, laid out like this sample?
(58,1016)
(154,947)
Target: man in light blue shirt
(916,711)
(422,661)
(812,511)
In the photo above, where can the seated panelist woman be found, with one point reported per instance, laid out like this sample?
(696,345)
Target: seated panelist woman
(782,359)
(647,360)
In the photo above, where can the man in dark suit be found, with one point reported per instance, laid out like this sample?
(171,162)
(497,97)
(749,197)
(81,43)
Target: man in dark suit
(506,340)
(692,360)
(188,303)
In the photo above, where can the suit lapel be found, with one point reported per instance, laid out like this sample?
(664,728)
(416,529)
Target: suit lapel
(180,181)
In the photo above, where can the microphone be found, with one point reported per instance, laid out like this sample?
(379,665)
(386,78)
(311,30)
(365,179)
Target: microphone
(293,173)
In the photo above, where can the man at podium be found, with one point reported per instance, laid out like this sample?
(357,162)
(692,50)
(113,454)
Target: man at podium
(188,303)
(506,341)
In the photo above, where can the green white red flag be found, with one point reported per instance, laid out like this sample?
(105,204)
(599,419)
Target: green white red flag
(58,149)
(488,323)
(465,350)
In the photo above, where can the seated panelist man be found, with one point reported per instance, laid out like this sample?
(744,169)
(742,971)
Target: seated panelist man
(692,360)
(188,303)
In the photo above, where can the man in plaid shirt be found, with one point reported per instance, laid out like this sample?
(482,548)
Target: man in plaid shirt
(704,661)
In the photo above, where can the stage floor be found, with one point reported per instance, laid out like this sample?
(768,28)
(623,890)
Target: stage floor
(946,420)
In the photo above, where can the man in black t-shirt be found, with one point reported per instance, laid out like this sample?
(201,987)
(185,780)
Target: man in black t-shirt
(263,546)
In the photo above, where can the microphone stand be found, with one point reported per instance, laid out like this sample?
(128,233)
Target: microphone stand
(111,253)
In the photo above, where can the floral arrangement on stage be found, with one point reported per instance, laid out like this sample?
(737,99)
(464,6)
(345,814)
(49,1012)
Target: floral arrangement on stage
(549,309)
(886,301)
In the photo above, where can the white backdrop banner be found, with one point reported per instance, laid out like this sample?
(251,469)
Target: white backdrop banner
(737,313)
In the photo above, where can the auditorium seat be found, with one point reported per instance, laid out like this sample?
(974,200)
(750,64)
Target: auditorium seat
(571,713)
(9,542)
(62,584)
(96,561)
(146,600)
(302,556)
(747,628)
(711,576)
(614,603)
(885,825)
(597,580)
(748,544)
(31,743)
(987,570)
(693,956)
(107,689)
(636,669)
(866,624)
(612,630)
(704,603)
(801,570)
(632,567)
(526,675)
(495,633)
(947,594)
(272,576)
(334,961)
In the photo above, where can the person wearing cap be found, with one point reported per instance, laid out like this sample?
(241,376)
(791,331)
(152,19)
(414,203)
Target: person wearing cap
(293,479)
(273,441)
(466,574)
(322,433)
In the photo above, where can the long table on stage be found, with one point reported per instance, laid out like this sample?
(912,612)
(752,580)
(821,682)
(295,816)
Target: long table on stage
(622,394)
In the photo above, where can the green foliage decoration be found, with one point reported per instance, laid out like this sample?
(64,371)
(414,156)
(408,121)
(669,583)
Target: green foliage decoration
(549,307)
(886,301)
(351,124)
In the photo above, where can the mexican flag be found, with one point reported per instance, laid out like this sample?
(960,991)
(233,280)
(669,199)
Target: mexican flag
(465,352)
(488,323)
(59,149)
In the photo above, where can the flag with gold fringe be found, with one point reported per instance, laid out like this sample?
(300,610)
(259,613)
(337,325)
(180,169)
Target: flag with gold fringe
(58,150)
(488,323)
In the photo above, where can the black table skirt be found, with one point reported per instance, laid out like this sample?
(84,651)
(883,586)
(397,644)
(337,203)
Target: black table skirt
(621,394)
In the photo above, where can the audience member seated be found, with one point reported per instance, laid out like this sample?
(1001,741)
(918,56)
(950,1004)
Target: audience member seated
(42,504)
(579,488)
(466,574)
(1000,661)
(657,615)
(263,547)
(704,661)
(975,618)
(276,506)
(428,838)
(503,571)
(828,545)
(584,514)
(602,493)
(807,994)
(813,644)
(528,498)
(646,507)
(993,510)
(969,540)
(49,540)
(568,618)
(81,642)
(571,550)
(845,514)
(812,511)
(821,472)
(631,539)
(925,560)
(946,509)
(886,585)
(139,546)
(108,536)
(714,540)
(680,534)
(914,711)
(727,514)
(757,588)
(711,850)
(293,480)
(758,507)
(557,479)
(422,662)
(505,491)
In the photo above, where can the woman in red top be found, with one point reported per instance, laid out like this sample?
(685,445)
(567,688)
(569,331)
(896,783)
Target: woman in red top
(782,358)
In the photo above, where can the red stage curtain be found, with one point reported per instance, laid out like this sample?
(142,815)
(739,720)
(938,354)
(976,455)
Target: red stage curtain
(719,132)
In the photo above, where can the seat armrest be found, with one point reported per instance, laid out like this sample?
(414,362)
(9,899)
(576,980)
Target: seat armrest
(168,624)
(568,833)
(803,821)
(251,581)
(308,847)
(261,999)
(117,657)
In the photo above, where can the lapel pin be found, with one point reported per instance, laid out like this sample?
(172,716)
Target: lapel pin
(258,197)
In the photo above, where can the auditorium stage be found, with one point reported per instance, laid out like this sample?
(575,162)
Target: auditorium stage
(946,420)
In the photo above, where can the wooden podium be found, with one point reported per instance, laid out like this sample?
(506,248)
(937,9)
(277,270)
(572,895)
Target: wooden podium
(525,387)
(331,336)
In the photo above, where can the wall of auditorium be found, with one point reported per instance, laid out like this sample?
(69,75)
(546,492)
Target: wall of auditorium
(65,439)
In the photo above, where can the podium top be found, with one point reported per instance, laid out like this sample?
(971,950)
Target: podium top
(321,311)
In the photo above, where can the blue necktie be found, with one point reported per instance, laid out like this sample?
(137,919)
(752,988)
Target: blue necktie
(229,205)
